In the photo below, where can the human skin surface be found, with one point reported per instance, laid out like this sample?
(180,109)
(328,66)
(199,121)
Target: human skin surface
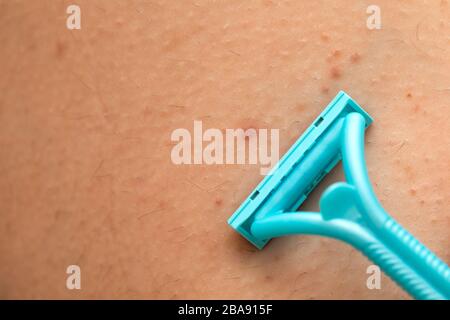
(86,118)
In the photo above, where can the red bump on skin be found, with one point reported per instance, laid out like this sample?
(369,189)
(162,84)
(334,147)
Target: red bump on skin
(416,108)
(218,202)
(412,191)
(268,3)
(409,171)
(268,278)
(325,89)
(60,49)
(355,57)
(325,37)
(335,72)
(300,107)
(247,124)
(119,22)
(336,54)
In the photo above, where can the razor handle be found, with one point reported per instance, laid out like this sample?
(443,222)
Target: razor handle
(404,259)
(402,256)
(425,277)
(351,212)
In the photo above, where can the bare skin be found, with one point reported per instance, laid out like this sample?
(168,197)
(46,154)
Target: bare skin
(86,118)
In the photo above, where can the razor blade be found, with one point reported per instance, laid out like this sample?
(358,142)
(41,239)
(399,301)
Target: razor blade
(298,172)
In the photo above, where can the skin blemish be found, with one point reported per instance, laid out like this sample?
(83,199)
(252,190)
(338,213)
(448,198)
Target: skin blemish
(218,202)
(416,108)
(355,58)
(162,204)
(324,89)
(250,124)
(409,172)
(247,124)
(335,72)
(300,107)
(324,37)
(119,22)
(412,191)
(335,55)
(61,49)
(409,95)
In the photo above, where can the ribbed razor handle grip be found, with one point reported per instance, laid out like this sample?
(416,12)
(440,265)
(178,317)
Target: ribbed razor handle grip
(405,268)
(415,247)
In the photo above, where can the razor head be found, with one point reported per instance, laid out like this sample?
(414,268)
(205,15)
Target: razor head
(298,172)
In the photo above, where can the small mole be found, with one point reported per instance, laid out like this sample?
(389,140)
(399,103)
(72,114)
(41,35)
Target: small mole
(335,72)
(355,57)
(218,202)
(409,95)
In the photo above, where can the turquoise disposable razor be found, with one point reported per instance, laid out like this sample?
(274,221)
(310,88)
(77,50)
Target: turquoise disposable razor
(349,211)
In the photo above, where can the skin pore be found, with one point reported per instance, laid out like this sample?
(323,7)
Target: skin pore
(86,118)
